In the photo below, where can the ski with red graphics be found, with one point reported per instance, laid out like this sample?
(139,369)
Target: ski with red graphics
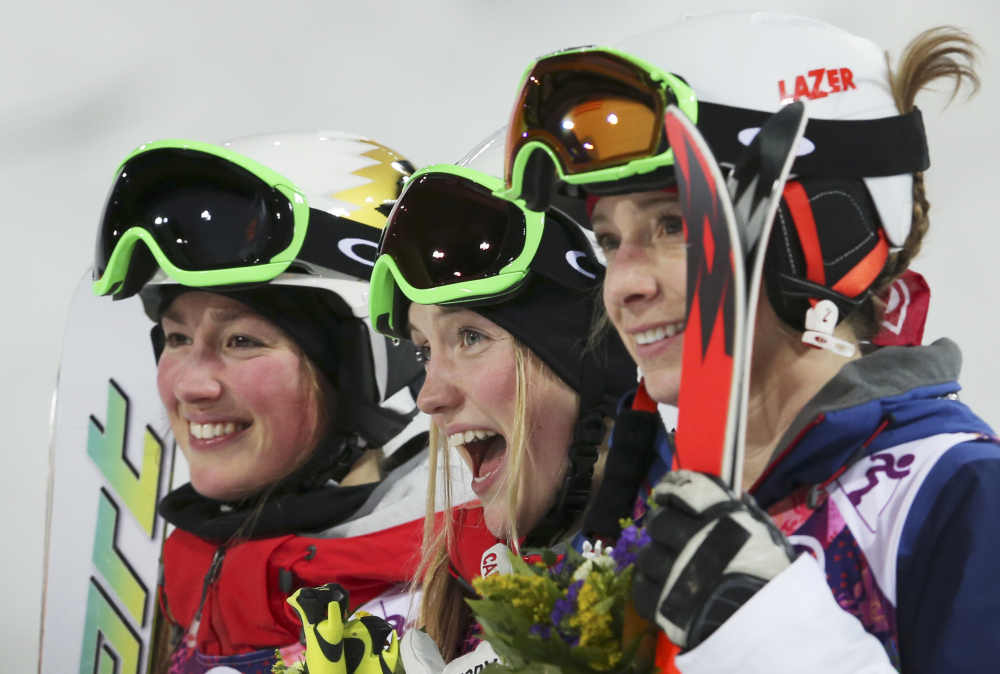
(716,305)
(721,236)
(718,337)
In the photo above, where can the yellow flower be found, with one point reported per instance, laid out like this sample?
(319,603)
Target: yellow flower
(596,627)
(530,594)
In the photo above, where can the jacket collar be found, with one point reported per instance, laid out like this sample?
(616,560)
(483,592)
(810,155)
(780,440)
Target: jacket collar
(910,387)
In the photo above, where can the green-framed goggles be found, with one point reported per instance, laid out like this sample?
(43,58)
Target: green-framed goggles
(597,113)
(207,215)
(452,239)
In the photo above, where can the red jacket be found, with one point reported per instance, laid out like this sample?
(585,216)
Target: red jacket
(245,608)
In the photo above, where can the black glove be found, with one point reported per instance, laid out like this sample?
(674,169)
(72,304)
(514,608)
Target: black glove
(710,552)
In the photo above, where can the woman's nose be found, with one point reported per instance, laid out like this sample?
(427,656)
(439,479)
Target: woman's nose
(198,377)
(630,278)
(440,391)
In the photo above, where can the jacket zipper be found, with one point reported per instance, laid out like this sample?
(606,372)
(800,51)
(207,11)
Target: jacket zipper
(210,577)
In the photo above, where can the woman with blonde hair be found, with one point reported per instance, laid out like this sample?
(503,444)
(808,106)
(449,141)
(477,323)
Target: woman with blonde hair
(862,456)
(499,302)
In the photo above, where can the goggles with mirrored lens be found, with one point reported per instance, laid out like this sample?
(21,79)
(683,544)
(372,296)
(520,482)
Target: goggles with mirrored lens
(450,239)
(207,215)
(597,112)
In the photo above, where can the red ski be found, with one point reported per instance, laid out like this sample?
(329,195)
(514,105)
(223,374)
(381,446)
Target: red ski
(718,338)
(720,304)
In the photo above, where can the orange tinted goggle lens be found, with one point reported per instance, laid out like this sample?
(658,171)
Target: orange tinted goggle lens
(593,109)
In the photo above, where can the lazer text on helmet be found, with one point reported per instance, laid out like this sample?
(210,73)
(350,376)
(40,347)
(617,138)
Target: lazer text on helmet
(837,80)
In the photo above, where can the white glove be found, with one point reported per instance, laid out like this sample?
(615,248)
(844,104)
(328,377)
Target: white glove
(710,552)
(420,655)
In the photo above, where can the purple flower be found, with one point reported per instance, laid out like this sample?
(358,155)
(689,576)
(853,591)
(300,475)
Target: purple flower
(627,548)
(543,631)
(565,607)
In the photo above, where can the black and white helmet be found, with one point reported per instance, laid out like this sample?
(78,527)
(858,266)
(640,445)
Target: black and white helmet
(350,183)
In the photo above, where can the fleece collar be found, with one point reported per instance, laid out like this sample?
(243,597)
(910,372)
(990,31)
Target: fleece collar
(913,388)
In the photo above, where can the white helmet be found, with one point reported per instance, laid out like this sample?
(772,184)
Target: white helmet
(759,61)
(348,184)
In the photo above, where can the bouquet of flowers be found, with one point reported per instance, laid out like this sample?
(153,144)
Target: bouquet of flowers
(567,616)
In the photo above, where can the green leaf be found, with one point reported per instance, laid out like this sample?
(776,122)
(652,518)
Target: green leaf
(521,567)
(498,616)
(605,604)
(504,646)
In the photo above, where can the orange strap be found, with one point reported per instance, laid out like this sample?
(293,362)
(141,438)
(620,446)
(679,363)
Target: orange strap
(865,272)
(854,282)
(802,217)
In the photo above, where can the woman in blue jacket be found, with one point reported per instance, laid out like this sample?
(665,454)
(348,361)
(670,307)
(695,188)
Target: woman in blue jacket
(862,456)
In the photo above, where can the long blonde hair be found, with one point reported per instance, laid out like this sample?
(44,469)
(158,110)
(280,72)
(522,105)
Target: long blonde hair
(443,612)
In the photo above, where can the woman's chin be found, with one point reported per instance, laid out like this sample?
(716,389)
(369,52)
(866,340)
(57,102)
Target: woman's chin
(663,386)
(495,517)
(496,520)
(220,490)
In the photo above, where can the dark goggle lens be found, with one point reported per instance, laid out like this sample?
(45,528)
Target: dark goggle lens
(594,110)
(446,229)
(204,212)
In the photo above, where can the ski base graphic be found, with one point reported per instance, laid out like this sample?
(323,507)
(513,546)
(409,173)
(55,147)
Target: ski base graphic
(110,464)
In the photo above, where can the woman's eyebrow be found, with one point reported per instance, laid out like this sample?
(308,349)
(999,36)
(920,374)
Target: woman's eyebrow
(227,315)
(172,315)
(444,309)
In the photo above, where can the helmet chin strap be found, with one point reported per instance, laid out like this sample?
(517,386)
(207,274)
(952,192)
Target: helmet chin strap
(588,434)
(332,459)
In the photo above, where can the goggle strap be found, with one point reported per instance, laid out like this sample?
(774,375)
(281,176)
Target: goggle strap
(552,259)
(857,148)
(382,424)
(399,326)
(339,244)
(625,471)
(656,179)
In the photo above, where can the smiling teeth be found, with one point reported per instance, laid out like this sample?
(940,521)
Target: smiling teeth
(458,439)
(209,431)
(656,334)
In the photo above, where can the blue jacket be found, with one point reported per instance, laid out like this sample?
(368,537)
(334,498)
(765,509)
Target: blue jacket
(893,485)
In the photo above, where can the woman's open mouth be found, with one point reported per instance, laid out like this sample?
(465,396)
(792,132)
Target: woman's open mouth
(485,451)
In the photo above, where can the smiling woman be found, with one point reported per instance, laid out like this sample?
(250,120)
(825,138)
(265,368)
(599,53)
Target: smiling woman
(641,232)
(275,386)
(511,382)
(877,549)
(246,405)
